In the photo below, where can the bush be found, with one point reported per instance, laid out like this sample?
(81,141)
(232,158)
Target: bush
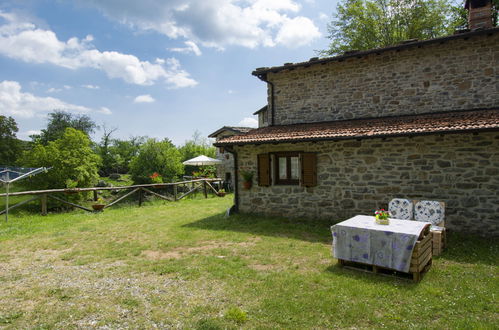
(72,161)
(156,158)
(114,176)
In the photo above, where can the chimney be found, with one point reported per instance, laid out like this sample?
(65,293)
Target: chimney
(479,14)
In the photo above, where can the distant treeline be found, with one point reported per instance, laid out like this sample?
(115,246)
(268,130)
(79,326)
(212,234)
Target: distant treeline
(77,161)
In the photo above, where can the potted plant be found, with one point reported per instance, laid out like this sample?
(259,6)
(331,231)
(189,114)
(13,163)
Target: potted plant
(382,217)
(247,179)
(221,192)
(99,205)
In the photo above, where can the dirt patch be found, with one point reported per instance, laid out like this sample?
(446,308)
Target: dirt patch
(178,253)
(159,255)
(262,268)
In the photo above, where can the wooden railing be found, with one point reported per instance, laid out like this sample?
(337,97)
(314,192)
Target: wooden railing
(188,188)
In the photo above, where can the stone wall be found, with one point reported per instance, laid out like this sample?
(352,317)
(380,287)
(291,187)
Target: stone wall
(459,74)
(357,177)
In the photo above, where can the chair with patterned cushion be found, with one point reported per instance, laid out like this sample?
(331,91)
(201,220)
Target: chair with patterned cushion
(434,213)
(400,208)
(430,211)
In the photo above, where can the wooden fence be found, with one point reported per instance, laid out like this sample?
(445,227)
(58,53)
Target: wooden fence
(179,191)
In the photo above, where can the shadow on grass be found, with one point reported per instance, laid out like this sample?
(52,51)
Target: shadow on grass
(306,230)
(465,248)
(368,277)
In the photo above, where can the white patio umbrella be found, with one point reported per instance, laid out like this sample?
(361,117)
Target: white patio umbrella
(202,160)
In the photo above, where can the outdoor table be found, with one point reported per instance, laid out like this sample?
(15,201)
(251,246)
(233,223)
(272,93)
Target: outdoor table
(360,239)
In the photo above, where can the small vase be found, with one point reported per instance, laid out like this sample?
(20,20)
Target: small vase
(247,185)
(381,221)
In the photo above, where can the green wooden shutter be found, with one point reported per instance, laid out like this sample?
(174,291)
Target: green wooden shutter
(264,170)
(308,169)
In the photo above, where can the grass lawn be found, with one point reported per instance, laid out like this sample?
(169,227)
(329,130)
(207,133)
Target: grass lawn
(183,265)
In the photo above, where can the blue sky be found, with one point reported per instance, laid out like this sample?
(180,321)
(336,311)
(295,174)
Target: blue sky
(151,67)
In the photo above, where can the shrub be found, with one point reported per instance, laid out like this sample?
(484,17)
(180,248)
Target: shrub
(72,161)
(160,157)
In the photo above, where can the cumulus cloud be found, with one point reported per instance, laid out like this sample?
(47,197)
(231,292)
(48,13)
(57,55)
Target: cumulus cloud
(144,99)
(248,122)
(216,23)
(190,47)
(26,42)
(294,32)
(14,102)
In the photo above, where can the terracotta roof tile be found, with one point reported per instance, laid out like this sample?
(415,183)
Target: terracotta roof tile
(457,121)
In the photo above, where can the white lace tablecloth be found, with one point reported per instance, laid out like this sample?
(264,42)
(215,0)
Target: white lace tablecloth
(360,239)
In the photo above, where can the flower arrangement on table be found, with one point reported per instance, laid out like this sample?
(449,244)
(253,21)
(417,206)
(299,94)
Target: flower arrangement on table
(382,217)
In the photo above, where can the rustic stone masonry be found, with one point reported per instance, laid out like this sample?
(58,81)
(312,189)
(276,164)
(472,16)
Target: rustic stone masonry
(459,74)
(357,177)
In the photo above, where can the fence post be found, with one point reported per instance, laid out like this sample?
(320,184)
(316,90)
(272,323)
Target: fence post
(204,189)
(44,204)
(140,197)
(95,196)
(175,192)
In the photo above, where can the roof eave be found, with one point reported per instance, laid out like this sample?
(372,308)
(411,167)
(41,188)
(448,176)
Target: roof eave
(358,137)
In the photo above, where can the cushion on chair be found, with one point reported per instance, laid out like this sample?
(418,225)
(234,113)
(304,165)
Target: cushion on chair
(400,208)
(429,211)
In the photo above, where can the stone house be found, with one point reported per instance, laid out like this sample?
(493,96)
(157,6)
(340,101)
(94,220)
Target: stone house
(344,135)
(225,170)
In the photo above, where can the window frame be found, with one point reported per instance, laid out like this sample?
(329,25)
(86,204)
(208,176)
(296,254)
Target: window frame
(288,155)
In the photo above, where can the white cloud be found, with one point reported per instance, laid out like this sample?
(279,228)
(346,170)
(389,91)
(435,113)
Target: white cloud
(296,32)
(26,42)
(215,23)
(13,102)
(54,90)
(57,90)
(144,99)
(105,111)
(191,47)
(323,16)
(27,134)
(90,86)
(248,122)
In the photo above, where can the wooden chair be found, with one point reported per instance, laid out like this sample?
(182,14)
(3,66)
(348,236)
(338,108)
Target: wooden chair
(401,208)
(434,213)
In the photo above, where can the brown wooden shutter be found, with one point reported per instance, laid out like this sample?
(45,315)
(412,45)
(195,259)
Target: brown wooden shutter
(308,169)
(264,170)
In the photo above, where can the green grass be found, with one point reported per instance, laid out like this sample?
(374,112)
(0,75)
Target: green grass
(184,265)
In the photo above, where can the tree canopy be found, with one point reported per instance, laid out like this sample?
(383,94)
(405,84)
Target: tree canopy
(367,24)
(156,158)
(9,144)
(58,121)
(73,162)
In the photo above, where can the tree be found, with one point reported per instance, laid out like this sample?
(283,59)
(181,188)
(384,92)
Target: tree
(160,157)
(367,24)
(121,153)
(9,144)
(73,162)
(58,122)
(104,150)
(198,145)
